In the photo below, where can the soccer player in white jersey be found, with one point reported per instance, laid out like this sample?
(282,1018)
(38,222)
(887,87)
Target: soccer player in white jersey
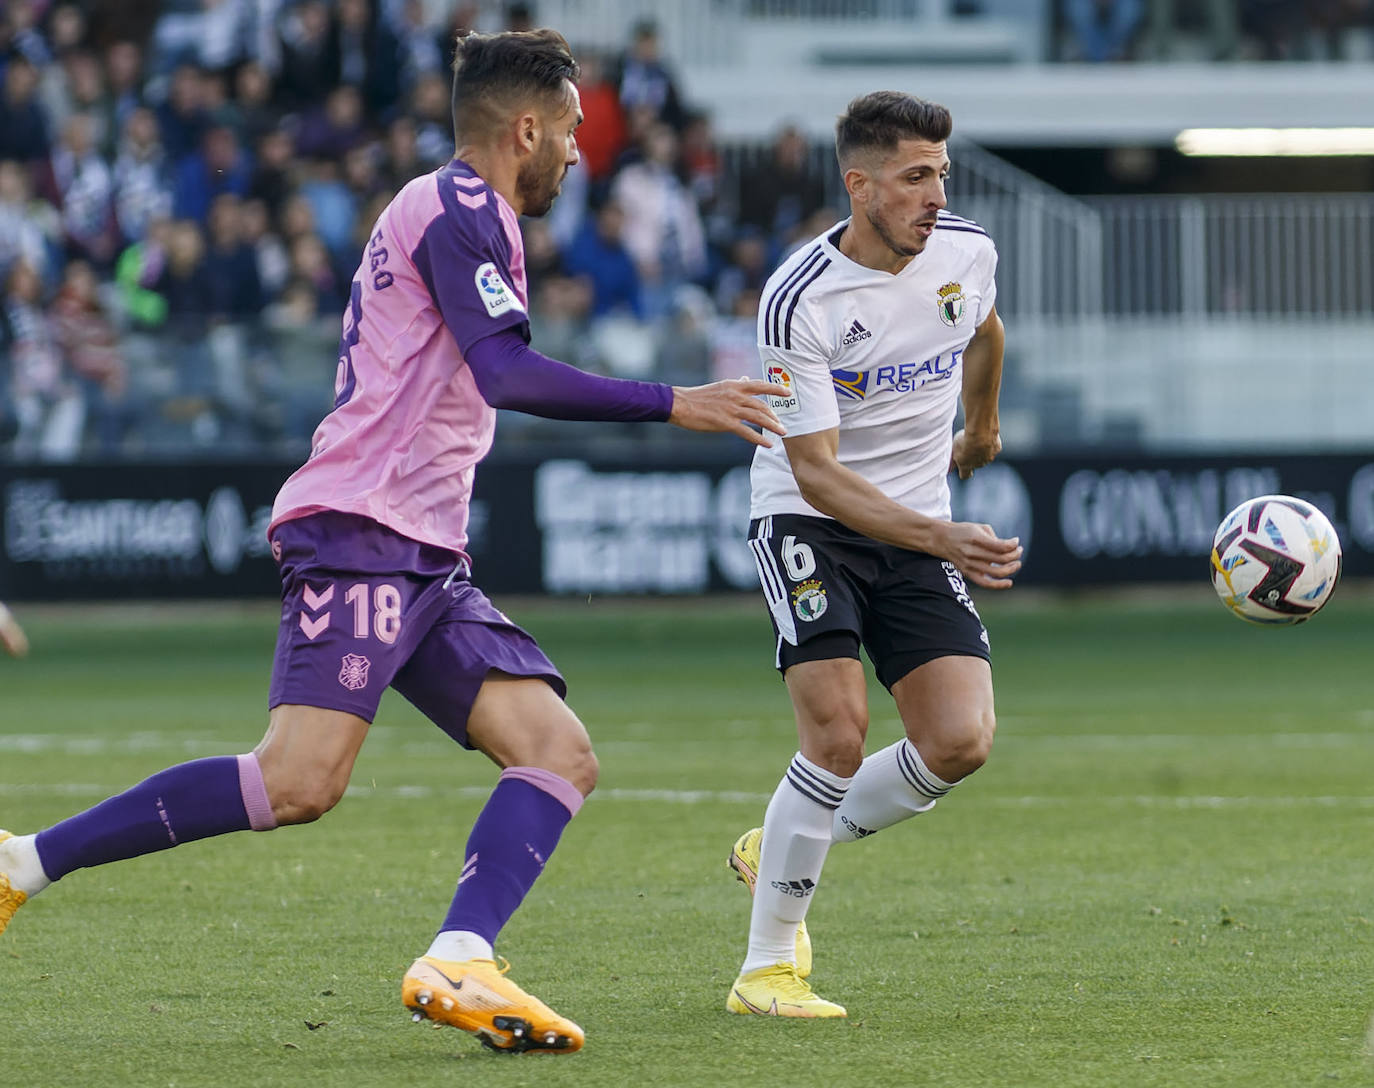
(876,328)
(369,536)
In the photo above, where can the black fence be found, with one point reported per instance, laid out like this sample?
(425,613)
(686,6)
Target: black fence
(564,523)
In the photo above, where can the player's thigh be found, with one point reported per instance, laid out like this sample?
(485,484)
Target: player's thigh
(520,721)
(947,710)
(306,758)
(830,700)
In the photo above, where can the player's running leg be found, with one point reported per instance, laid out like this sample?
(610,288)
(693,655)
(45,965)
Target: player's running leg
(297,773)
(548,768)
(830,700)
(946,706)
(744,863)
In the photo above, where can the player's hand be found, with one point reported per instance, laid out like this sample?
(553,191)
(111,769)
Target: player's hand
(731,405)
(983,557)
(973,452)
(12,635)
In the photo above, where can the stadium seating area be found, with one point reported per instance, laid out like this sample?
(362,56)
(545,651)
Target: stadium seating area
(184,188)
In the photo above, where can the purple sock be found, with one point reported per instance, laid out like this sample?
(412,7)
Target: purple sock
(511,841)
(181,804)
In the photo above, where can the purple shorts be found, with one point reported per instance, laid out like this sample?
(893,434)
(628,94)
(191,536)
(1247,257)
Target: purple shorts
(364,607)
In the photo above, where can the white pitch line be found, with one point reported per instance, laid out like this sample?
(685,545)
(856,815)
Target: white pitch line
(695,797)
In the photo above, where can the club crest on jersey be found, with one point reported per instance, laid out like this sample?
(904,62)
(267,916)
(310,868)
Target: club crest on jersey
(492,290)
(778,374)
(809,601)
(353,671)
(951,303)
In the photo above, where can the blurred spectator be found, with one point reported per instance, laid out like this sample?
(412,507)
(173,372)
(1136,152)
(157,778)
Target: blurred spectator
(663,230)
(750,263)
(644,80)
(23,122)
(210,33)
(333,206)
(21,231)
(184,282)
(273,180)
(88,337)
(1276,25)
(734,338)
(312,264)
(84,189)
(333,128)
(431,106)
(220,166)
(1219,19)
(47,401)
(400,155)
(182,118)
(269,253)
(76,84)
(138,272)
(309,55)
(141,192)
(602,135)
(683,356)
(256,115)
(124,80)
(1103,30)
(779,192)
(299,387)
(231,271)
(418,50)
(369,55)
(599,254)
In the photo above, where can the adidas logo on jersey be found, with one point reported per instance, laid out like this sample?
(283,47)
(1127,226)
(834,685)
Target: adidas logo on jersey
(856,333)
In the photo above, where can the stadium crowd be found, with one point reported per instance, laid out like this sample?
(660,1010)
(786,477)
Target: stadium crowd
(185,187)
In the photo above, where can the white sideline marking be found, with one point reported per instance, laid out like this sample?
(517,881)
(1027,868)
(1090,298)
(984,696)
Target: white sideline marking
(696,797)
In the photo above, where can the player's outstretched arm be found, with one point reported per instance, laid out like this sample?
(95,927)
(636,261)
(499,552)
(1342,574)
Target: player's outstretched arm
(980,440)
(984,558)
(12,635)
(731,405)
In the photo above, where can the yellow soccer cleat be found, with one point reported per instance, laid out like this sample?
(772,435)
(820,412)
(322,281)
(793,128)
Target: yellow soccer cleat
(11,898)
(744,859)
(779,991)
(475,996)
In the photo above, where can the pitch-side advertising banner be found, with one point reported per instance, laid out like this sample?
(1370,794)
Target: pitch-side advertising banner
(570,524)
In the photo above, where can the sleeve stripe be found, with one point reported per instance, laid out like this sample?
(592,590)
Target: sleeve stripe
(770,320)
(787,328)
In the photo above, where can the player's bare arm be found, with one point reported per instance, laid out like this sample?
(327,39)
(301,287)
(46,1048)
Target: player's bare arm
(731,405)
(12,637)
(980,441)
(985,558)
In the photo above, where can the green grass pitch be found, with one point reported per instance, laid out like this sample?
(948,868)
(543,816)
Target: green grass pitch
(1164,876)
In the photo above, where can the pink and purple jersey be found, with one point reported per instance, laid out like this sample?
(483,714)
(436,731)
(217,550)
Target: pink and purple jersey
(443,269)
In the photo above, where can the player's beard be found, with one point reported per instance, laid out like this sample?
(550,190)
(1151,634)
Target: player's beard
(878,221)
(538,181)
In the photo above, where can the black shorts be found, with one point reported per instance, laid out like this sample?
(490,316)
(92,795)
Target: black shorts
(830,588)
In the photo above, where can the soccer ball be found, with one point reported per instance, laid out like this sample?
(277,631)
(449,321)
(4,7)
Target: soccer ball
(1275,559)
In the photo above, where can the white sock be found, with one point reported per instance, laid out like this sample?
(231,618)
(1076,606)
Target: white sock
(796,838)
(458,945)
(889,786)
(19,862)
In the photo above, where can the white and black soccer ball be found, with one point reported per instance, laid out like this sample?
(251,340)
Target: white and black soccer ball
(1275,560)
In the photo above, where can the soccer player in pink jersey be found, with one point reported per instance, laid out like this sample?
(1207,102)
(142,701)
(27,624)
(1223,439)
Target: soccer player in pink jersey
(370,532)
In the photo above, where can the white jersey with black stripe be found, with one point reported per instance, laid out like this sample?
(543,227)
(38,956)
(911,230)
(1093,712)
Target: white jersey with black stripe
(877,355)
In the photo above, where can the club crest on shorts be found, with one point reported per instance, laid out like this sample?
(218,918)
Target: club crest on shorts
(809,601)
(353,671)
(951,303)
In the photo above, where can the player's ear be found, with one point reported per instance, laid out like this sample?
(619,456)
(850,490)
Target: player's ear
(856,183)
(526,131)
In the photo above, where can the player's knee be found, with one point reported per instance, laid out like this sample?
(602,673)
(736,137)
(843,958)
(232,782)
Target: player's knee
(305,801)
(582,769)
(839,747)
(968,749)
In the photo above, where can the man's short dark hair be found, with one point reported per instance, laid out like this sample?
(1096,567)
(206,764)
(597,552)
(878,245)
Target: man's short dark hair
(494,72)
(878,121)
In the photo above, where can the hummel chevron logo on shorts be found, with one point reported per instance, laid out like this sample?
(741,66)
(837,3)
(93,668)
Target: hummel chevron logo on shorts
(856,333)
(798,889)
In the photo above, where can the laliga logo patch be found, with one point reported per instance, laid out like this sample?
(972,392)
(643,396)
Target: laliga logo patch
(809,601)
(951,304)
(778,374)
(492,290)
